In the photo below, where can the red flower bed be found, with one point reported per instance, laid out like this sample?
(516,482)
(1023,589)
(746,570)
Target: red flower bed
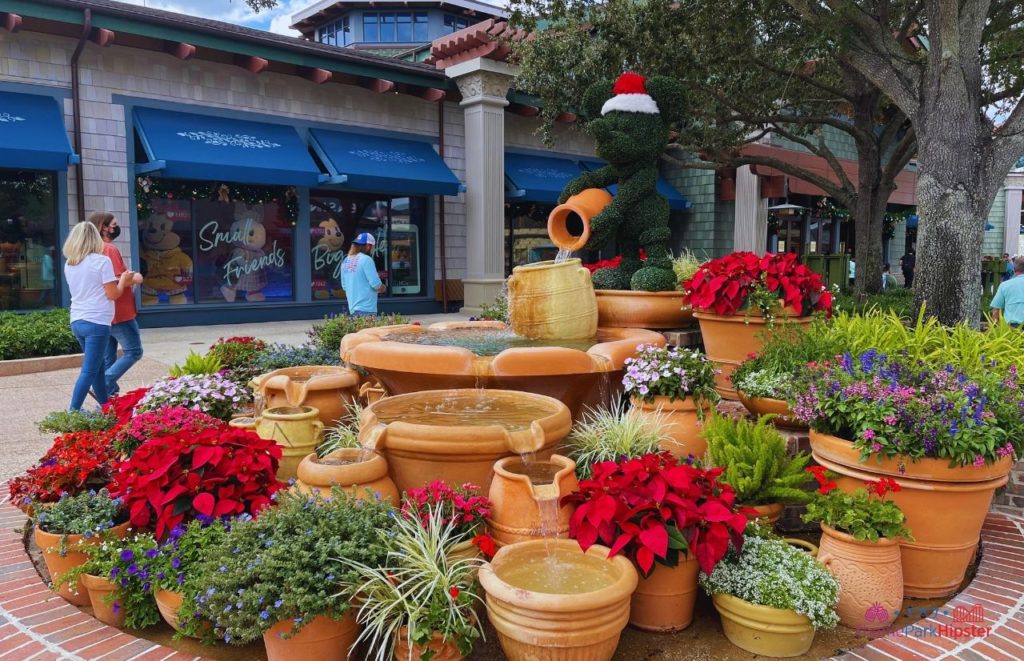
(75,463)
(723,285)
(162,422)
(123,406)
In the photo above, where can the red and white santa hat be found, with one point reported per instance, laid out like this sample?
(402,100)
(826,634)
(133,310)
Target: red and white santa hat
(631,95)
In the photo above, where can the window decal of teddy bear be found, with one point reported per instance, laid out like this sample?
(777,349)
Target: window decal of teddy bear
(245,269)
(328,253)
(630,121)
(166,269)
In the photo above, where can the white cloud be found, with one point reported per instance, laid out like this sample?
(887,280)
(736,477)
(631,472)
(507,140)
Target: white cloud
(276,19)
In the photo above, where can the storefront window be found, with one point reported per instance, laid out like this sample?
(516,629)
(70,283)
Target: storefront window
(214,243)
(29,250)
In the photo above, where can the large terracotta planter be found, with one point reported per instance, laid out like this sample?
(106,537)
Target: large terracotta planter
(770,513)
(552,301)
(763,630)
(526,499)
(329,389)
(944,507)
(541,626)
(296,429)
(663,602)
(457,435)
(365,475)
(99,588)
(619,308)
(679,422)
(767,406)
(730,339)
(168,603)
(320,639)
(870,578)
(57,564)
(582,206)
(439,648)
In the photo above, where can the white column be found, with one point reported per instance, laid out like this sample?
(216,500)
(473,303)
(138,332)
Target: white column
(750,226)
(1014,190)
(484,84)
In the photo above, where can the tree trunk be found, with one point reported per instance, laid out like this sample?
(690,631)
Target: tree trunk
(868,212)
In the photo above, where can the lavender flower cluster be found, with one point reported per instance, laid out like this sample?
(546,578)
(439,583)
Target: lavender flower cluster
(212,394)
(674,372)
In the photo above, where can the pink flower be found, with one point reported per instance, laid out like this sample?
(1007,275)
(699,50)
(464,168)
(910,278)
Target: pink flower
(875,447)
(869,434)
(979,461)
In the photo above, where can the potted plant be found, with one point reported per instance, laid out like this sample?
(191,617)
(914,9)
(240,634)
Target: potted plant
(276,576)
(756,463)
(237,356)
(61,526)
(658,511)
(210,393)
(608,434)
(619,308)
(772,597)
(860,537)
(462,506)
(949,442)
(736,298)
(678,384)
(419,603)
(75,463)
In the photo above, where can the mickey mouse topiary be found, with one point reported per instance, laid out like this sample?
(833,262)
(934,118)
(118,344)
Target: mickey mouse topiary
(629,121)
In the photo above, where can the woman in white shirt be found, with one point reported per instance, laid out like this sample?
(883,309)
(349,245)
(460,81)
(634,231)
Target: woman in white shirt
(93,287)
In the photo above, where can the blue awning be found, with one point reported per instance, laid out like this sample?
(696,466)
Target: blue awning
(676,201)
(188,146)
(32,135)
(538,178)
(389,165)
(912,221)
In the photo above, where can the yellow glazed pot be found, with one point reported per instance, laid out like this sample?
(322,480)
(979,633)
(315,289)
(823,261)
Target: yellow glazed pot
(366,471)
(525,499)
(583,206)
(296,429)
(773,632)
(552,301)
(678,421)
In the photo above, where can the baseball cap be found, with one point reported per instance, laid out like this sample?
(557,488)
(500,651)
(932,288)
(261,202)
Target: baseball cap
(365,239)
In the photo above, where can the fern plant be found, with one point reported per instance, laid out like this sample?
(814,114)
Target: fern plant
(754,460)
(197,364)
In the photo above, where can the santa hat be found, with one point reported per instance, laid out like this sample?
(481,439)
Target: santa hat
(631,95)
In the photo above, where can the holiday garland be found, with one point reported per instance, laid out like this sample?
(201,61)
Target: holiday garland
(149,188)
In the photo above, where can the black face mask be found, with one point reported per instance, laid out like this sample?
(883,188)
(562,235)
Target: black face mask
(114,232)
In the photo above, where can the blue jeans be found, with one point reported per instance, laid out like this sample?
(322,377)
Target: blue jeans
(127,335)
(93,339)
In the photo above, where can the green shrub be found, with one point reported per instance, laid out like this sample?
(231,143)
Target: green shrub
(279,356)
(327,336)
(497,311)
(66,422)
(36,334)
(195,364)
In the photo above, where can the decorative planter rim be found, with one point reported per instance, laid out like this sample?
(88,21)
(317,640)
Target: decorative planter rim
(320,377)
(277,413)
(42,536)
(567,467)
(742,317)
(550,264)
(849,539)
(629,293)
(771,616)
(666,403)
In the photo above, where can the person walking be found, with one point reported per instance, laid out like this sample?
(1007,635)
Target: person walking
(1007,267)
(359,277)
(124,329)
(888,279)
(907,263)
(1008,302)
(94,288)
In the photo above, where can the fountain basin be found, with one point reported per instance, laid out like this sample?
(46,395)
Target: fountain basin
(458,435)
(585,373)
(357,471)
(328,388)
(568,622)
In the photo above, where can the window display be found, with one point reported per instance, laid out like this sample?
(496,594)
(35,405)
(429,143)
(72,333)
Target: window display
(28,240)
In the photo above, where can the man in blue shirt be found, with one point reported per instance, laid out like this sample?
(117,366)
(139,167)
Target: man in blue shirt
(359,277)
(1009,298)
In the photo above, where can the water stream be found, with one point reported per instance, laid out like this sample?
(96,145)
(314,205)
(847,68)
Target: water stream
(563,255)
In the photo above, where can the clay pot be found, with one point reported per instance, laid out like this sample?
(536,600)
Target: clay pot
(552,301)
(439,648)
(730,339)
(870,578)
(771,512)
(583,206)
(677,419)
(168,603)
(422,448)
(541,626)
(56,564)
(99,588)
(763,630)
(527,508)
(316,475)
(296,429)
(944,508)
(329,389)
(767,406)
(371,391)
(320,639)
(663,602)
(244,422)
(619,308)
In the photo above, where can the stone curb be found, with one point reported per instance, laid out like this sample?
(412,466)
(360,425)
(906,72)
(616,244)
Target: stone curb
(44,364)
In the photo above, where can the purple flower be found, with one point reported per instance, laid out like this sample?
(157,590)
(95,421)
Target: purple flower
(127,555)
(264,615)
(175,562)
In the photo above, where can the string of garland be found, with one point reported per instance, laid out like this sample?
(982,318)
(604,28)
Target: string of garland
(149,188)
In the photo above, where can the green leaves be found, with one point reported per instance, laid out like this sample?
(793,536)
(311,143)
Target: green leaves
(36,334)
(859,515)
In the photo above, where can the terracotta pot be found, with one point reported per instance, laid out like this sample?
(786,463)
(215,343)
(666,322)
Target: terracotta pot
(619,308)
(99,588)
(870,578)
(730,339)
(771,512)
(56,564)
(552,300)
(526,507)
(320,639)
(329,389)
(168,603)
(763,630)
(540,626)
(678,421)
(243,422)
(422,448)
(583,206)
(663,602)
(317,476)
(944,507)
(767,406)
(371,391)
(296,429)
(439,648)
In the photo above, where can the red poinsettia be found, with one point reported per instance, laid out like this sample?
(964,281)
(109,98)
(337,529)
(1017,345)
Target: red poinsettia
(652,507)
(723,285)
(123,406)
(74,463)
(462,505)
(215,472)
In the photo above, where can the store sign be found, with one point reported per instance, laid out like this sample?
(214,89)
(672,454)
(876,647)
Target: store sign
(249,253)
